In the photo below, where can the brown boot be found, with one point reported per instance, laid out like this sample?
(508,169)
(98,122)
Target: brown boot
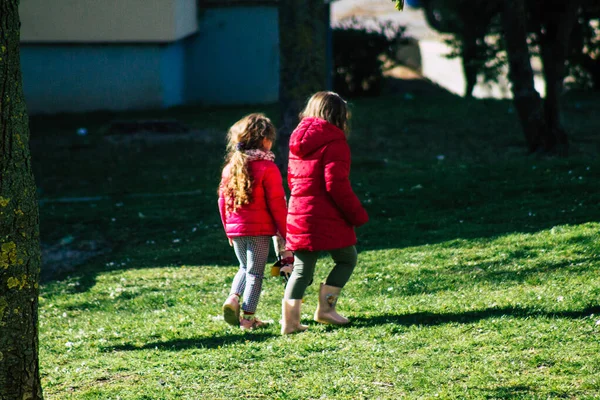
(290,321)
(325,312)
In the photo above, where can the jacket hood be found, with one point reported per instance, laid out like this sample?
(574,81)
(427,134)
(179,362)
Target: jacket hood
(312,134)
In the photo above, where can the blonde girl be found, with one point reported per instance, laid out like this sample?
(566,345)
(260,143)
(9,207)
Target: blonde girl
(323,209)
(253,209)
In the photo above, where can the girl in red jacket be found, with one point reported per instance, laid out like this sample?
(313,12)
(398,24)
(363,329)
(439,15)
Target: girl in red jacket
(323,209)
(253,209)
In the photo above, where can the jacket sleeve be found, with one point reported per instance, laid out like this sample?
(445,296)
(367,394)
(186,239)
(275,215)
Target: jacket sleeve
(222,206)
(336,161)
(275,196)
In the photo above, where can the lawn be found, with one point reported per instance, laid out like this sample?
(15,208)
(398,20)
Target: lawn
(478,274)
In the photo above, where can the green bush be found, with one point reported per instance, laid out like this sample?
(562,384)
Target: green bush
(362,50)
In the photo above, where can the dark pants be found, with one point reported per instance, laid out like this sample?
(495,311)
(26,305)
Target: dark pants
(304,270)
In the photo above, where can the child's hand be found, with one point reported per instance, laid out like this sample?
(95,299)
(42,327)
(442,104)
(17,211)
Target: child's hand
(286,268)
(283,268)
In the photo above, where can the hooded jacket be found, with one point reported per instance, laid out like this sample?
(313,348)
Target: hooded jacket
(323,209)
(266,213)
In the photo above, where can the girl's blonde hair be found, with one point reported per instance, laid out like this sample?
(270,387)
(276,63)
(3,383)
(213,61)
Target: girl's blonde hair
(246,134)
(328,106)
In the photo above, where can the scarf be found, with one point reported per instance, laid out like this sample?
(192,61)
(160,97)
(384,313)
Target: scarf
(258,154)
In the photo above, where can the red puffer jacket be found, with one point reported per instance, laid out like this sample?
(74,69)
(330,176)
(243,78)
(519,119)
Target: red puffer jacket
(266,214)
(323,209)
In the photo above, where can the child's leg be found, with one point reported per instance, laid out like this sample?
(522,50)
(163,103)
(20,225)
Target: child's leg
(345,261)
(231,307)
(304,269)
(238,285)
(257,253)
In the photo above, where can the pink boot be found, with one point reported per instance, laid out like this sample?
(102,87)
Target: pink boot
(290,321)
(231,310)
(325,312)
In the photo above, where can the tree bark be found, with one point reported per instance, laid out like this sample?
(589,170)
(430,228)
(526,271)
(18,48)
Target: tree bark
(19,226)
(476,20)
(558,21)
(303,62)
(471,58)
(526,99)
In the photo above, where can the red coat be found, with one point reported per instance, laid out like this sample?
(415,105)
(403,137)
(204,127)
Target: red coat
(265,215)
(323,209)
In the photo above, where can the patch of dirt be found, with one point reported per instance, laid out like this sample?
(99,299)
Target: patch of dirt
(155,132)
(149,138)
(166,127)
(69,253)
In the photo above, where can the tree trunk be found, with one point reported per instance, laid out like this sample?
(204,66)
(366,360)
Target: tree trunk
(19,223)
(558,21)
(476,17)
(525,98)
(470,61)
(303,44)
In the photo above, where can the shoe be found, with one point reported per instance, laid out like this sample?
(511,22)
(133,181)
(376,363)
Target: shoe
(325,313)
(290,321)
(231,310)
(250,323)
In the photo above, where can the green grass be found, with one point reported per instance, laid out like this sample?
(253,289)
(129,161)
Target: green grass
(478,273)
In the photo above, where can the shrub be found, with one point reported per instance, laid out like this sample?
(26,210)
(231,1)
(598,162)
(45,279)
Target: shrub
(362,51)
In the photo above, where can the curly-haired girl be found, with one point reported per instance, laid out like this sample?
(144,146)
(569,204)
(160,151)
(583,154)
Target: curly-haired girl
(253,209)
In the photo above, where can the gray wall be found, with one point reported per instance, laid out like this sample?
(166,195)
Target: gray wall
(234,58)
(74,78)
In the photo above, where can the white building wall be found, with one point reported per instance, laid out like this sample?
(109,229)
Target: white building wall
(101,21)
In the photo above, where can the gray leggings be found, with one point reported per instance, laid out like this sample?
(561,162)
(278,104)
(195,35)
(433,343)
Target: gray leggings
(304,270)
(252,253)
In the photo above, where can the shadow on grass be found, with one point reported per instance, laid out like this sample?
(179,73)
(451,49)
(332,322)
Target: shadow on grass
(422,319)
(526,392)
(425,281)
(433,319)
(583,264)
(428,281)
(512,392)
(211,342)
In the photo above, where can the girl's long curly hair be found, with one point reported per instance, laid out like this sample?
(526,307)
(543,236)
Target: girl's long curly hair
(246,134)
